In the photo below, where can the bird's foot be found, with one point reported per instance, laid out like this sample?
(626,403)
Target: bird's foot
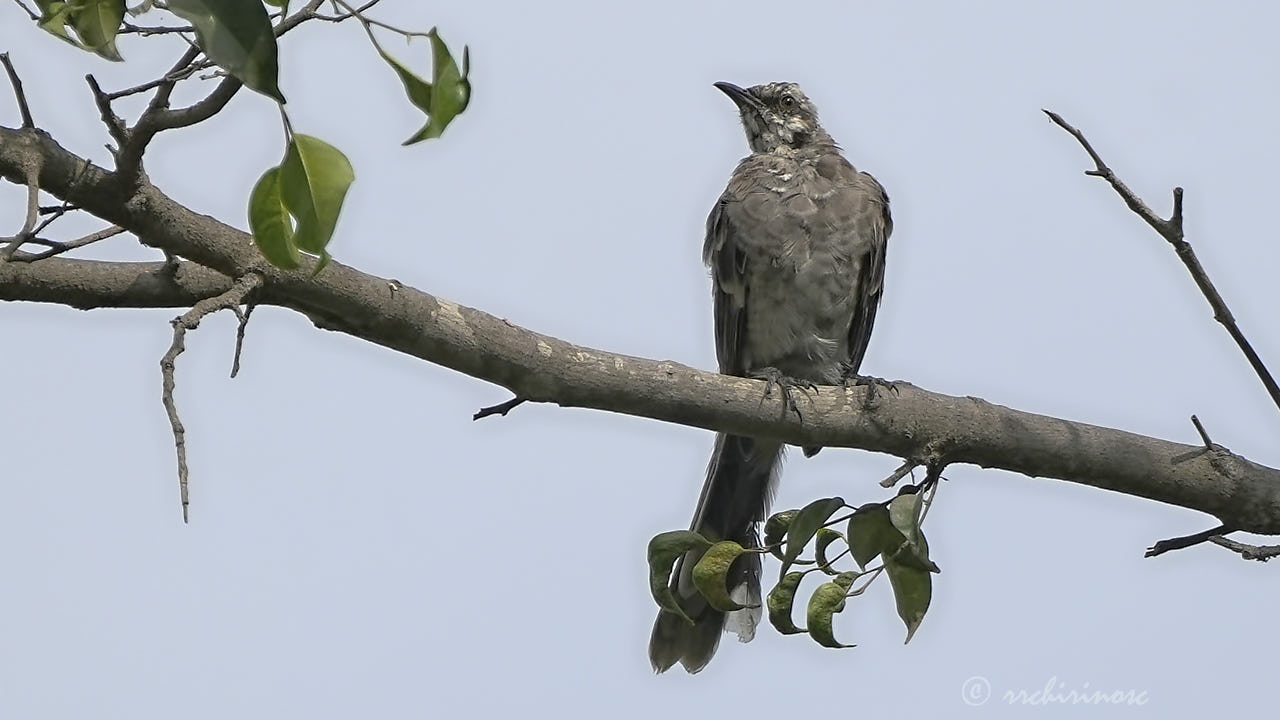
(786,387)
(872,384)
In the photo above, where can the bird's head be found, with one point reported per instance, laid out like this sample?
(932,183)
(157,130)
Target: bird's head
(776,116)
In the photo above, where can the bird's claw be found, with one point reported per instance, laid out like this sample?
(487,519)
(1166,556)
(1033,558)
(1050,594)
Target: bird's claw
(785,385)
(872,383)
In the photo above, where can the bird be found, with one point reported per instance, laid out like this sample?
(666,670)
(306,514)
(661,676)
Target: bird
(796,249)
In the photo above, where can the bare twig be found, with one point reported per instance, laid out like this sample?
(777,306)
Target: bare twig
(51,216)
(1171,230)
(30,13)
(31,171)
(367,22)
(307,12)
(60,248)
(1186,541)
(240,329)
(32,181)
(172,76)
(1204,434)
(21,96)
(1261,553)
(34,240)
(190,320)
(902,471)
(115,126)
(500,409)
(145,30)
(338,17)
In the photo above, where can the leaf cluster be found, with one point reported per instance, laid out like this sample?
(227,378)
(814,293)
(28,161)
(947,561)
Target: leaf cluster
(890,531)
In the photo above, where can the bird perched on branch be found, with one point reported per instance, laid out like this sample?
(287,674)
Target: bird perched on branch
(796,246)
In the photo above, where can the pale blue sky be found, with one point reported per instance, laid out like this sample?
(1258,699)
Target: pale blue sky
(360,548)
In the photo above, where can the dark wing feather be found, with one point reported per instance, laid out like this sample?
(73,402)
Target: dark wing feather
(728,266)
(877,224)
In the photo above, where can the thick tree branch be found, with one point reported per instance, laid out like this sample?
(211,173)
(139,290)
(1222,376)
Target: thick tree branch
(913,423)
(90,284)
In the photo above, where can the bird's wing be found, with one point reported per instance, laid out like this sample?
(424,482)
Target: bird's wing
(874,225)
(723,253)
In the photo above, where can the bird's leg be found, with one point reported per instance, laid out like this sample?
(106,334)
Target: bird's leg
(852,380)
(785,385)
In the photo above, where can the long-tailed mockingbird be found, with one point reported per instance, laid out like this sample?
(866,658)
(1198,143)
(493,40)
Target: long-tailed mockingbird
(796,246)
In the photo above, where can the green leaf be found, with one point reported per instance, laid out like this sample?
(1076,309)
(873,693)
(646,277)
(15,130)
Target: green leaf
(450,89)
(54,16)
(826,536)
(270,223)
(664,550)
(711,575)
(284,4)
(904,512)
(418,90)
(805,526)
(826,601)
(314,179)
(97,22)
(912,590)
(871,532)
(780,601)
(237,35)
(775,528)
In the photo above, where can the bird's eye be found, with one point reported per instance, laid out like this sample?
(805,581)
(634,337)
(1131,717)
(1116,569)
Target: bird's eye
(788,101)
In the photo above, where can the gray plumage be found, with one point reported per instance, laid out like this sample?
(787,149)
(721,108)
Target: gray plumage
(796,246)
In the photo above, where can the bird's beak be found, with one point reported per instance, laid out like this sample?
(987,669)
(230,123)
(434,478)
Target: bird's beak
(743,99)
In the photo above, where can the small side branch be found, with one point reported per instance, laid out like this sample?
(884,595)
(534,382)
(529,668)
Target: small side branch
(1204,434)
(16,82)
(499,409)
(59,248)
(31,178)
(1261,553)
(897,475)
(115,126)
(30,13)
(240,330)
(1171,230)
(148,30)
(190,320)
(1186,541)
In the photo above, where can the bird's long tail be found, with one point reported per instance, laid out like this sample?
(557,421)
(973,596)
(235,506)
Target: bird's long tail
(741,480)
